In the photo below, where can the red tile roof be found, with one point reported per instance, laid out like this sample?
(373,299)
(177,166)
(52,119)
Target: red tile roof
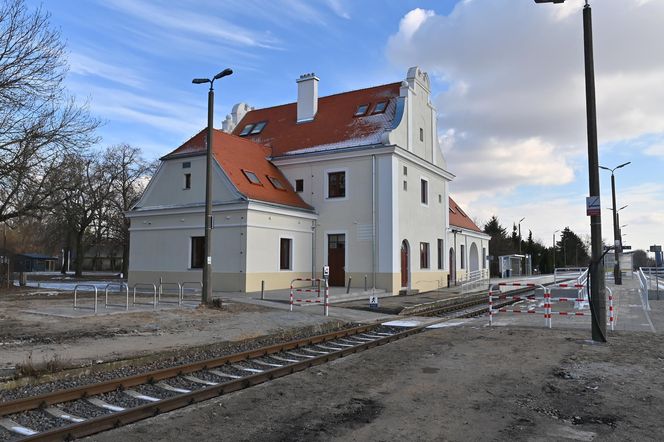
(334,125)
(459,218)
(236,154)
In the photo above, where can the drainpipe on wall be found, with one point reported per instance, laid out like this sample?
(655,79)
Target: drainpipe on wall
(313,249)
(373,220)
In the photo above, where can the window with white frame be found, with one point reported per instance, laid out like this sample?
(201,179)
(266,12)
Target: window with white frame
(424,255)
(197,259)
(424,192)
(441,248)
(336,184)
(463,257)
(285,254)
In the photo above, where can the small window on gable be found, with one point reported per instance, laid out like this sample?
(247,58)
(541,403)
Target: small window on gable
(276,183)
(405,185)
(246,130)
(253,179)
(421,134)
(405,170)
(299,185)
(361,110)
(187,181)
(258,128)
(186,165)
(440,198)
(379,108)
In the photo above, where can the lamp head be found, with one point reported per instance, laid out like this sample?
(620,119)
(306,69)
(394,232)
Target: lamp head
(200,80)
(226,72)
(624,164)
(549,1)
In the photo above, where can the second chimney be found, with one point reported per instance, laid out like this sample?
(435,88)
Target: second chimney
(307,97)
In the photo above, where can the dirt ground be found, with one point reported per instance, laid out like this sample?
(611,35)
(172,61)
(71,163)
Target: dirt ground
(469,382)
(88,340)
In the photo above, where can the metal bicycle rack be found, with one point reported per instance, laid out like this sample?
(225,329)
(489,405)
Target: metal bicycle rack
(154,294)
(170,284)
(119,285)
(76,287)
(186,283)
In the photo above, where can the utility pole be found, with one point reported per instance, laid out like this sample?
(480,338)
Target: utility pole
(598,298)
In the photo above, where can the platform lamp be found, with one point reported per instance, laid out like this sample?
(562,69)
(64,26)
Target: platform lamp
(554,251)
(207,265)
(598,298)
(617,275)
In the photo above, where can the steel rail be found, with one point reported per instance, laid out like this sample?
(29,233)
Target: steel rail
(117,419)
(32,403)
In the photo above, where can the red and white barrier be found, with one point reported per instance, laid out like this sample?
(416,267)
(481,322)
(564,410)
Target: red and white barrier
(498,295)
(548,313)
(304,301)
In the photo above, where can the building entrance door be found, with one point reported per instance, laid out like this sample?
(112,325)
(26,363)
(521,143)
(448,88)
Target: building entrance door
(452,267)
(336,258)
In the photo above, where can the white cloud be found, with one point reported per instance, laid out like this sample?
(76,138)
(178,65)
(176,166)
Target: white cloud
(516,84)
(656,150)
(88,66)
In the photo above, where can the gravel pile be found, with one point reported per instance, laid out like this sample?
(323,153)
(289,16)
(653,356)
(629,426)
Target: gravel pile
(84,409)
(7,436)
(37,420)
(120,399)
(170,360)
(180,382)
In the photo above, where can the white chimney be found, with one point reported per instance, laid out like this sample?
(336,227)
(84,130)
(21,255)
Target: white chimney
(307,97)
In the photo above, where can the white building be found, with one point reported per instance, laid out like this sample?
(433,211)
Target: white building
(356,181)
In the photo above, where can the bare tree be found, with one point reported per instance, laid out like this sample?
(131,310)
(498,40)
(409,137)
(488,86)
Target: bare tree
(40,125)
(134,172)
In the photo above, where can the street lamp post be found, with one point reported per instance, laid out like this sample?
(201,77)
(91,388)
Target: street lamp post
(207,265)
(617,275)
(554,250)
(598,300)
(520,234)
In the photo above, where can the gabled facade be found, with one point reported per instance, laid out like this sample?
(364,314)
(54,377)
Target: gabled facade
(356,181)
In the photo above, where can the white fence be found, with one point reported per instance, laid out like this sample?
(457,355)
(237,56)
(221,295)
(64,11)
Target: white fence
(477,279)
(650,279)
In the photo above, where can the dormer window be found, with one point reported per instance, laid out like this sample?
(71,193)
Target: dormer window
(379,108)
(361,110)
(258,128)
(246,130)
(276,183)
(253,179)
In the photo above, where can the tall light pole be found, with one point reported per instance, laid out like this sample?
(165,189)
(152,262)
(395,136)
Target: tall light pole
(520,234)
(207,265)
(617,275)
(598,299)
(554,250)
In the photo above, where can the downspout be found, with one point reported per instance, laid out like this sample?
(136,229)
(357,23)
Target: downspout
(313,249)
(373,220)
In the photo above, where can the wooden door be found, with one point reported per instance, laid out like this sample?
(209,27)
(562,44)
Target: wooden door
(404,264)
(336,259)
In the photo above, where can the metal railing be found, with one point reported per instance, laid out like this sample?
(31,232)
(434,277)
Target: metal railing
(569,273)
(76,288)
(154,294)
(166,285)
(183,290)
(119,285)
(475,280)
(649,281)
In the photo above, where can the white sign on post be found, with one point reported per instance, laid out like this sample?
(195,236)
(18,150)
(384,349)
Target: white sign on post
(326,271)
(593,206)
(373,301)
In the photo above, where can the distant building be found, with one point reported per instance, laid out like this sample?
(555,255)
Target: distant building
(34,262)
(355,180)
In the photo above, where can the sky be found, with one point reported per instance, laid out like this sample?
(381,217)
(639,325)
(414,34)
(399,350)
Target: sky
(507,81)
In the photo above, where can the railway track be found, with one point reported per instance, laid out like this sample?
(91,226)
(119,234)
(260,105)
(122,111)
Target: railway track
(78,412)
(89,409)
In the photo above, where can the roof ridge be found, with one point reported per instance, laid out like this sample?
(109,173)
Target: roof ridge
(327,96)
